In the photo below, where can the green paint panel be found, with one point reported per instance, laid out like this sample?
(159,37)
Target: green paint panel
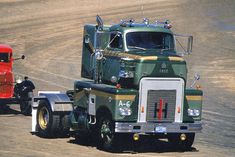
(113,63)
(195,103)
(105,98)
(160,69)
(143,63)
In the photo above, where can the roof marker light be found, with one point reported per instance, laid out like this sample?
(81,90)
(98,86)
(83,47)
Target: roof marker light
(146,21)
(168,26)
(167,22)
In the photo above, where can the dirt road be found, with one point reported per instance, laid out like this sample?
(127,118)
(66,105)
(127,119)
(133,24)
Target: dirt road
(49,33)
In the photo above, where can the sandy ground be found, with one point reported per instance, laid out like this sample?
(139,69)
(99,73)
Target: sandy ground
(49,33)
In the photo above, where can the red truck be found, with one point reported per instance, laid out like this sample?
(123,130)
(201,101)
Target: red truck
(12,91)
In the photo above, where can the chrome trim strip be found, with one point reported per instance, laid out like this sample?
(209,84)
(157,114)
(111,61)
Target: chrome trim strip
(122,127)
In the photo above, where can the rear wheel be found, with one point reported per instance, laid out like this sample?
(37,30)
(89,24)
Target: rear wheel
(65,125)
(48,123)
(186,144)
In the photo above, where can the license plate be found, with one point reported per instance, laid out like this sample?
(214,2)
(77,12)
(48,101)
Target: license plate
(160,129)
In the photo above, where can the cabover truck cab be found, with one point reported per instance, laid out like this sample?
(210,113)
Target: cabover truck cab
(134,84)
(12,91)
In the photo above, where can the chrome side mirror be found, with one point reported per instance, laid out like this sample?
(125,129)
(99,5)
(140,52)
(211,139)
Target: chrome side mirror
(196,78)
(23,57)
(183,44)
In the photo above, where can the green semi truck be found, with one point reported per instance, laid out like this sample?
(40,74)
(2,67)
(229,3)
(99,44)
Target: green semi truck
(134,84)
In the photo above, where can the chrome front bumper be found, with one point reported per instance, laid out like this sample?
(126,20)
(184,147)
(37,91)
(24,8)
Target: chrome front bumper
(154,128)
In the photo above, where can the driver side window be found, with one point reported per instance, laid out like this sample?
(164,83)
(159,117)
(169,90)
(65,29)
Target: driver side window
(4,57)
(116,41)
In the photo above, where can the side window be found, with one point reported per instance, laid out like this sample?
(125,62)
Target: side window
(4,57)
(116,41)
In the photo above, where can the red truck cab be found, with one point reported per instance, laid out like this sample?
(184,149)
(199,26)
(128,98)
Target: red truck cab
(11,92)
(6,75)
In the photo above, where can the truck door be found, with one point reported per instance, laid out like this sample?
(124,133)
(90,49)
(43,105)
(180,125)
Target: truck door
(111,66)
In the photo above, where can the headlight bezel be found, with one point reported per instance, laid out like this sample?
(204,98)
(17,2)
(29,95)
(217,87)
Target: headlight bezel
(18,79)
(127,68)
(194,112)
(125,111)
(126,74)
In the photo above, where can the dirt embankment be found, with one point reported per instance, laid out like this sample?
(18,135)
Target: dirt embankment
(49,33)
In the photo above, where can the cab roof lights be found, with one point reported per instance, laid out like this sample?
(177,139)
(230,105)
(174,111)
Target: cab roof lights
(146,22)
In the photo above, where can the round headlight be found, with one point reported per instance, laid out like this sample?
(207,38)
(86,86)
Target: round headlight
(113,79)
(193,112)
(196,112)
(98,55)
(126,74)
(190,112)
(125,111)
(18,79)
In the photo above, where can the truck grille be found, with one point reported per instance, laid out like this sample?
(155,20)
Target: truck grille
(6,85)
(2,82)
(161,105)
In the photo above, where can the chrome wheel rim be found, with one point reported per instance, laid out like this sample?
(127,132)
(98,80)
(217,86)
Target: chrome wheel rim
(43,118)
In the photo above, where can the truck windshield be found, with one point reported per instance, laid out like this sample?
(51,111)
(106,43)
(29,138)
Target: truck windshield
(149,40)
(4,57)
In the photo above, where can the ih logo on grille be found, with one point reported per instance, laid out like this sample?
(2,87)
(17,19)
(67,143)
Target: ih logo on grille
(159,110)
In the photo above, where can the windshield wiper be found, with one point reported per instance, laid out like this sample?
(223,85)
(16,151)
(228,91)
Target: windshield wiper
(136,47)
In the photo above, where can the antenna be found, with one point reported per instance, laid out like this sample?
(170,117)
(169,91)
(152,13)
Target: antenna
(142,8)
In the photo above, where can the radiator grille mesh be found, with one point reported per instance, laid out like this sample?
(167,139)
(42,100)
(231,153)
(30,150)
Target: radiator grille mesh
(157,97)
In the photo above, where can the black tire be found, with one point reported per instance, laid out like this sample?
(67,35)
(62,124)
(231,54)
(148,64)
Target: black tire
(48,124)
(4,108)
(176,142)
(65,125)
(107,139)
(83,138)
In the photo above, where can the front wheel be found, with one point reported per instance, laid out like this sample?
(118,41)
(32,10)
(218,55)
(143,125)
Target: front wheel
(184,144)
(107,137)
